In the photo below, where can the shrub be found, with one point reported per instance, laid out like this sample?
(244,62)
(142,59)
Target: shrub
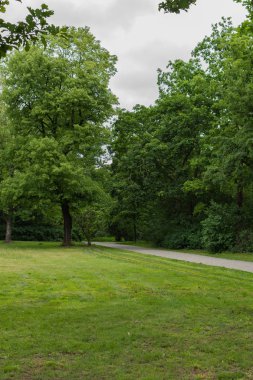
(244,241)
(219,227)
(33,230)
(183,236)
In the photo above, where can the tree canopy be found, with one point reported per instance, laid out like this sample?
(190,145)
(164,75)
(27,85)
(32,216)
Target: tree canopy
(57,100)
(23,33)
(176,6)
(182,168)
(177,173)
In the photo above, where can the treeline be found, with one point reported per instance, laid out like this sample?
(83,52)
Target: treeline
(52,137)
(178,173)
(183,167)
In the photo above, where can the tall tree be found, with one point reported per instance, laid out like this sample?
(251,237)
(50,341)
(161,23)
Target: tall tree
(130,169)
(225,158)
(5,168)
(233,140)
(58,99)
(153,148)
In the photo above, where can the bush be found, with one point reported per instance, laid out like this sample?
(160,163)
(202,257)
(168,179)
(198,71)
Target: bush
(219,227)
(184,236)
(24,232)
(244,241)
(34,230)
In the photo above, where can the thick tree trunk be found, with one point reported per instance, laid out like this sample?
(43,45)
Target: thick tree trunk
(67,220)
(8,230)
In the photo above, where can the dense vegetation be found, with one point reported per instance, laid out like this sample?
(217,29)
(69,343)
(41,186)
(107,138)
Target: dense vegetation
(55,102)
(178,173)
(182,167)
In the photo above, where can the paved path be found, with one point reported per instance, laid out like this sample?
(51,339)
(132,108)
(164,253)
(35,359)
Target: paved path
(192,258)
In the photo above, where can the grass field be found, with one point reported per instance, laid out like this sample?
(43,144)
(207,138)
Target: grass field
(96,314)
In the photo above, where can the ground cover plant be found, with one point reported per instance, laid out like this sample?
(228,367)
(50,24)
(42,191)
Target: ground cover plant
(97,313)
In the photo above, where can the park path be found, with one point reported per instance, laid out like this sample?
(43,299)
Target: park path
(245,266)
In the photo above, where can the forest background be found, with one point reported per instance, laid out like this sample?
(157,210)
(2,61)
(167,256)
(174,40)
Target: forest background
(178,173)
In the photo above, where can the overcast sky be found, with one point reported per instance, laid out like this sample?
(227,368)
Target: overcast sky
(142,38)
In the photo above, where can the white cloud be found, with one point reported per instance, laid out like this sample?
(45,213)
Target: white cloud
(141,37)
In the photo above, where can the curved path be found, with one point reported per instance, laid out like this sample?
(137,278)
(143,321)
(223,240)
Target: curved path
(245,266)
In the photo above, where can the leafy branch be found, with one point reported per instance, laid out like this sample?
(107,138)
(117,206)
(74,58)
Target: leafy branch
(23,33)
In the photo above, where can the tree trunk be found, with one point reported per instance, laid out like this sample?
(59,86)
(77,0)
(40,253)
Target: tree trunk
(88,238)
(67,219)
(239,201)
(8,230)
(135,229)
(240,197)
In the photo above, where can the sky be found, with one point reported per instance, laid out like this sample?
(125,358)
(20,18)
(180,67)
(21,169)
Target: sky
(142,38)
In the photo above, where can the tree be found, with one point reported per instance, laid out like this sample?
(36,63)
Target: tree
(152,152)
(175,6)
(233,147)
(183,167)
(58,99)
(92,218)
(12,178)
(21,34)
(130,133)
(226,157)
(5,168)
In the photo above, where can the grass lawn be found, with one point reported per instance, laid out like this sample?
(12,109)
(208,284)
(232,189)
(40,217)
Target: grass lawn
(96,314)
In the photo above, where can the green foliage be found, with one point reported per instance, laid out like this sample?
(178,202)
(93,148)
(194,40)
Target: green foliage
(182,236)
(244,241)
(219,227)
(28,231)
(37,222)
(92,218)
(58,100)
(175,6)
(179,172)
(191,149)
(32,231)
(122,226)
(153,148)
(22,34)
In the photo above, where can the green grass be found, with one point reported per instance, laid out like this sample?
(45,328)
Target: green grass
(95,313)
